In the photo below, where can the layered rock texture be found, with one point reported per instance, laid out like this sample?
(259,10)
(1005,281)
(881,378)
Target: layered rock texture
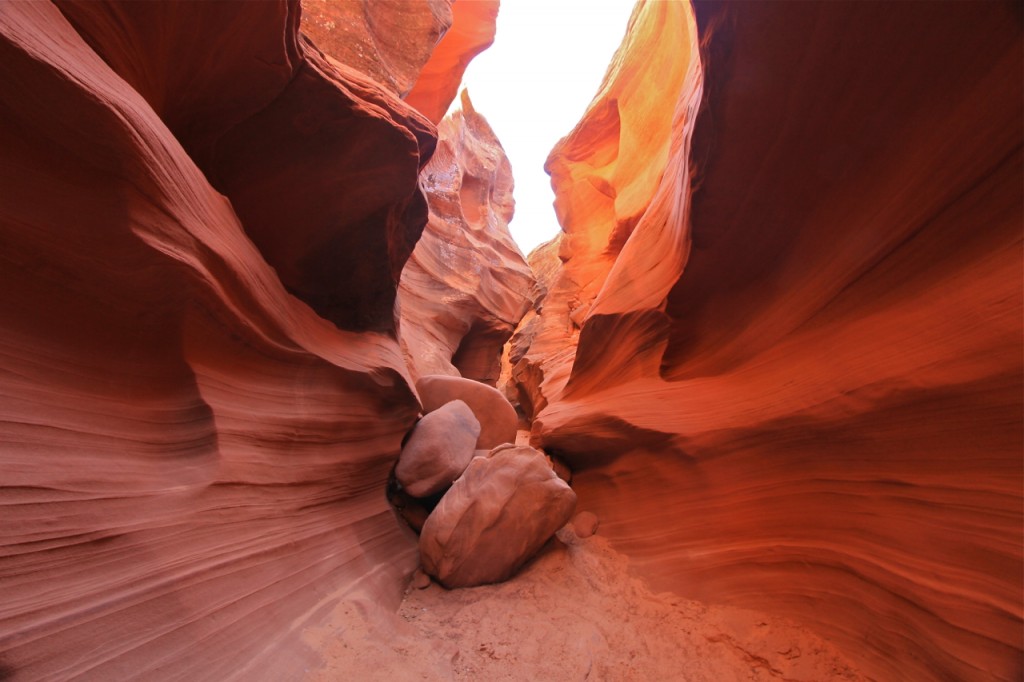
(193,458)
(795,383)
(466,286)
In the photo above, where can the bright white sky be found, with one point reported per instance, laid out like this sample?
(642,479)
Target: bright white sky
(533,85)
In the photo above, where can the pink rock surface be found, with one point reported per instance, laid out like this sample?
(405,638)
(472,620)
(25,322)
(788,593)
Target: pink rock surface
(494,518)
(439,449)
(496,415)
(192,458)
(466,286)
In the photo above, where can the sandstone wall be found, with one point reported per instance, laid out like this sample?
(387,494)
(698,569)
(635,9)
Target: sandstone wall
(820,417)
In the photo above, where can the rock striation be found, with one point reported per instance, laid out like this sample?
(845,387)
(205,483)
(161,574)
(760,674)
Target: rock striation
(778,343)
(797,385)
(466,286)
(201,394)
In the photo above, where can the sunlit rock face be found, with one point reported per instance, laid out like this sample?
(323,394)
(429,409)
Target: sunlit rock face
(471,32)
(388,40)
(193,459)
(802,391)
(418,50)
(621,181)
(466,286)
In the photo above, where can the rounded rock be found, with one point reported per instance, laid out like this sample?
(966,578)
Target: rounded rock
(495,517)
(438,450)
(497,417)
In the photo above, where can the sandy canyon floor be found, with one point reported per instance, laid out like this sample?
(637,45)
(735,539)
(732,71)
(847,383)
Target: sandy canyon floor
(574,613)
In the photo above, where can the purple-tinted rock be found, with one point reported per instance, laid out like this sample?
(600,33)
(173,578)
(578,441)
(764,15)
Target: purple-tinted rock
(439,449)
(494,518)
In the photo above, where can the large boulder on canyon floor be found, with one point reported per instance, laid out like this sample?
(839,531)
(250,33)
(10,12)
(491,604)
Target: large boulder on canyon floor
(439,449)
(498,419)
(495,517)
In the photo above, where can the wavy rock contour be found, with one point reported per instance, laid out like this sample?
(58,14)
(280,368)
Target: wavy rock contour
(193,459)
(797,387)
(466,286)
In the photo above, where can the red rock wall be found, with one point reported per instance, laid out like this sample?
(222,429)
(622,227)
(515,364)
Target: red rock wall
(620,180)
(193,460)
(821,417)
(256,133)
(390,41)
(472,31)
(466,286)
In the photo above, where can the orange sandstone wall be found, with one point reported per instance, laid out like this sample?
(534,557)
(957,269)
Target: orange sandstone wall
(466,286)
(472,31)
(821,416)
(192,459)
(620,179)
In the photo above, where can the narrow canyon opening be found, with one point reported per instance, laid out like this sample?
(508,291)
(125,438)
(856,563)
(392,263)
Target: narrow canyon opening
(281,398)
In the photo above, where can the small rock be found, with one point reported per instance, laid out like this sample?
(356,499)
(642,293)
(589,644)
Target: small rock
(585,524)
(497,417)
(439,449)
(420,580)
(494,518)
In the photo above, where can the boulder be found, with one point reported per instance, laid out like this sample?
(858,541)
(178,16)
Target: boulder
(494,518)
(497,417)
(439,449)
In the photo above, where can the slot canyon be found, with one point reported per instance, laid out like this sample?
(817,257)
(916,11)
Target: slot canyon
(755,413)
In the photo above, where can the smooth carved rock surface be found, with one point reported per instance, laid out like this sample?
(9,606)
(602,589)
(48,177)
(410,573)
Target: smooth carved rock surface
(494,518)
(338,238)
(466,286)
(439,449)
(496,415)
(192,458)
(827,390)
(620,179)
